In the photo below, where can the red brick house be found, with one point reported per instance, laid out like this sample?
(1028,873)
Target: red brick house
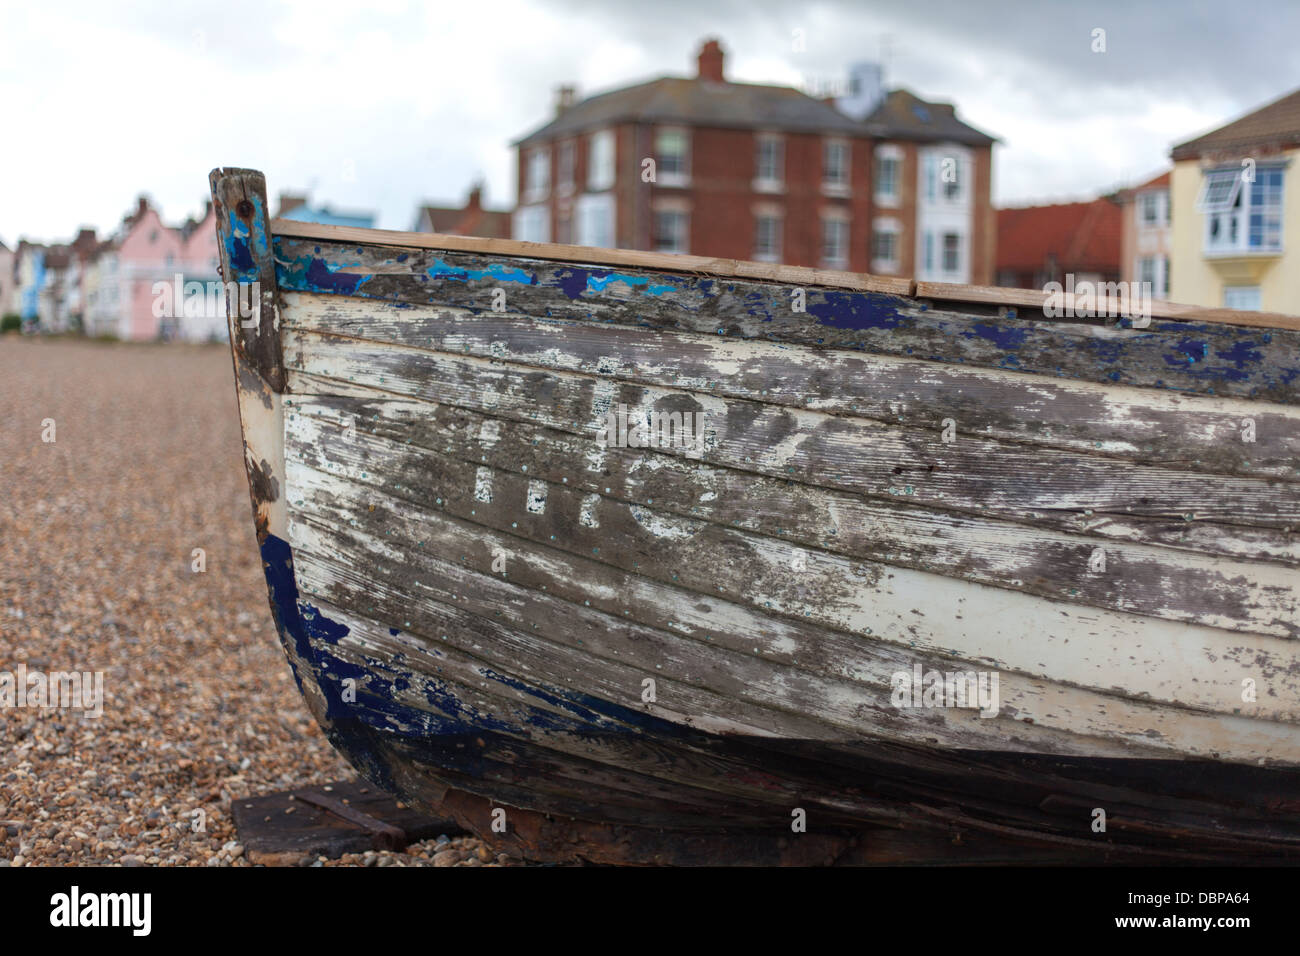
(1041,244)
(873,182)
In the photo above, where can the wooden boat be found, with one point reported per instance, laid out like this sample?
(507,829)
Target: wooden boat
(607,644)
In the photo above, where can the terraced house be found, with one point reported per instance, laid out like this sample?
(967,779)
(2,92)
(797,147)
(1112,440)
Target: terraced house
(875,181)
(1235,213)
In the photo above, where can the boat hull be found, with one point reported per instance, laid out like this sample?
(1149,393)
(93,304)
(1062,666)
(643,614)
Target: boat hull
(879,580)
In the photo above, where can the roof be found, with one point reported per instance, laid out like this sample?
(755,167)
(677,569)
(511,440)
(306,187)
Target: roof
(697,102)
(440,218)
(1276,124)
(464,221)
(904,115)
(1078,236)
(327,216)
(1161,181)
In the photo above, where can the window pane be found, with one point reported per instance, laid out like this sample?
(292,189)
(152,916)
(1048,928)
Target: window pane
(951,250)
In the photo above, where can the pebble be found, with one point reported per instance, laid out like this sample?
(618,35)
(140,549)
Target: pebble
(147,467)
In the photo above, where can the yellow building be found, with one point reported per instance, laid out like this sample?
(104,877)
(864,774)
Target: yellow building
(1235,213)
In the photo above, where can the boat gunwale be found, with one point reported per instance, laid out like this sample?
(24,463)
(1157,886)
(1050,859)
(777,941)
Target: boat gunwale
(766,271)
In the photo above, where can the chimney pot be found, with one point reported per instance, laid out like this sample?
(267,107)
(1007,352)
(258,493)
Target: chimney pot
(710,62)
(564,96)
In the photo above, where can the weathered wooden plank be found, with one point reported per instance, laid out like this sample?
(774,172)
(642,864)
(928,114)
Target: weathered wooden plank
(414,438)
(1194,433)
(618,654)
(244,241)
(1037,300)
(705,265)
(792,275)
(1053,489)
(1201,357)
(1109,651)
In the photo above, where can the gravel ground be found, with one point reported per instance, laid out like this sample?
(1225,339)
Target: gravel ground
(97,534)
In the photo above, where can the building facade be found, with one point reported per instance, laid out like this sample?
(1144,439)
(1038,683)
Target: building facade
(874,182)
(1147,241)
(8,281)
(1235,213)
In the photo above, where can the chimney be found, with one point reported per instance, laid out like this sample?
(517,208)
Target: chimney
(866,90)
(710,62)
(289,202)
(563,98)
(142,205)
(475,201)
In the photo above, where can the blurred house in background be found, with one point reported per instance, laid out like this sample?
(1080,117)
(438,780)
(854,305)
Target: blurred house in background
(874,181)
(30,278)
(8,281)
(1235,210)
(297,207)
(1041,244)
(1146,237)
(470,219)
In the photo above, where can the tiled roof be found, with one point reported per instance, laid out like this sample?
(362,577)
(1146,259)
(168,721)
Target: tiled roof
(1078,236)
(903,115)
(1154,183)
(1274,125)
(701,103)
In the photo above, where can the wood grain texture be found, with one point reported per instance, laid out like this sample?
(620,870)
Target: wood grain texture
(1051,489)
(1196,433)
(791,275)
(581,654)
(244,244)
(405,441)
(1181,356)
(1112,652)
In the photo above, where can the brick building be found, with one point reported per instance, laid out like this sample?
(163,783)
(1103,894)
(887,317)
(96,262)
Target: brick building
(873,182)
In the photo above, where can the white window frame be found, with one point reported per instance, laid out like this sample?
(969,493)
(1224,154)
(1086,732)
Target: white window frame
(680,243)
(893,154)
(537,174)
(1232,209)
(769,183)
(942,249)
(774,251)
(837,185)
(601,150)
(837,224)
(667,177)
(532,223)
(886,225)
(1158,199)
(596,223)
(1238,292)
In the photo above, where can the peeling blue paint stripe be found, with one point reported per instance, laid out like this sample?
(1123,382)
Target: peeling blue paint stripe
(501,273)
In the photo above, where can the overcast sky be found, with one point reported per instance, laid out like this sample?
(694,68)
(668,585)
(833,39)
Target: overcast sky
(379,104)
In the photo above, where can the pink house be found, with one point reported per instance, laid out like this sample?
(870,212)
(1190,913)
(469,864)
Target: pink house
(144,253)
(200,264)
